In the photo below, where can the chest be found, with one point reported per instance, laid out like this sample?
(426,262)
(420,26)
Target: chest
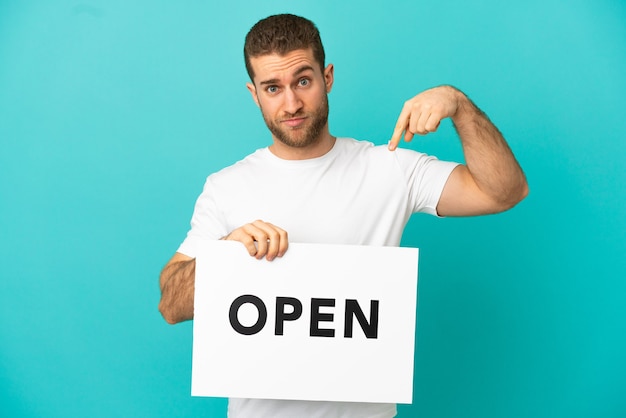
(319,206)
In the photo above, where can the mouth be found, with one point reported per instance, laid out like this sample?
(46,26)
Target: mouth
(294,122)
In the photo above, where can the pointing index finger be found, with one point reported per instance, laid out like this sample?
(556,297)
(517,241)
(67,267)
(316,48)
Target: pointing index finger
(401,126)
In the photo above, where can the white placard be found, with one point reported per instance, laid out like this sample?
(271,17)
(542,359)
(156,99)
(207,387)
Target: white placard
(237,354)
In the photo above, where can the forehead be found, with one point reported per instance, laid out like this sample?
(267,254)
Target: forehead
(276,66)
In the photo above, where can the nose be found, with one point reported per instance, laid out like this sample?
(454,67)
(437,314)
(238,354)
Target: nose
(293,103)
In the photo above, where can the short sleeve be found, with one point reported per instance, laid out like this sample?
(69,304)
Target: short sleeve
(206,222)
(426,177)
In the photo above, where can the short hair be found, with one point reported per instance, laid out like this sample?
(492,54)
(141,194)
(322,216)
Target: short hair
(282,34)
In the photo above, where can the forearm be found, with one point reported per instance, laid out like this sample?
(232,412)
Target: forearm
(177,291)
(488,158)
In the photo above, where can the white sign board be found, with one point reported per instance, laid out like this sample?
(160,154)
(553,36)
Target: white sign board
(324,322)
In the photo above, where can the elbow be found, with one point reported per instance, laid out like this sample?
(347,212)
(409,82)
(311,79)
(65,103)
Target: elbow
(166,314)
(169,314)
(522,191)
(174,309)
(516,195)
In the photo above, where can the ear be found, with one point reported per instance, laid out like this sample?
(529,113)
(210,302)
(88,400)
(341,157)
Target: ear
(252,90)
(329,77)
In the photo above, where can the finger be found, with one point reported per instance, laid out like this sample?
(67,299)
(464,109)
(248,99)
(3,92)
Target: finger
(245,237)
(276,243)
(273,241)
(420,127)
(259,240)
(401,126)
(260,237)
(432,123)
(284,242)
(408,135)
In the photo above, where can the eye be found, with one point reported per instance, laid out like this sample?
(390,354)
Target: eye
(272,89)
(303,82)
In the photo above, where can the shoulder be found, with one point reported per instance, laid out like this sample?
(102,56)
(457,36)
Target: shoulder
(351,143)
(350,147)
(354,147)
(241,169)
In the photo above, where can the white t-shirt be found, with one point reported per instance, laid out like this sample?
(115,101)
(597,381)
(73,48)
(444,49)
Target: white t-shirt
(357,194)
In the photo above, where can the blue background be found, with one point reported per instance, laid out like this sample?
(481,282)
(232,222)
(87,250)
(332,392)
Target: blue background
(112,113)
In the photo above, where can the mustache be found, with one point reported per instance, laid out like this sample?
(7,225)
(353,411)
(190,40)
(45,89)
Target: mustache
(298,114)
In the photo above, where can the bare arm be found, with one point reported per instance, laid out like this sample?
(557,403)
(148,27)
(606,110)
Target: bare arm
(177,280)
(492,180)
(177,289)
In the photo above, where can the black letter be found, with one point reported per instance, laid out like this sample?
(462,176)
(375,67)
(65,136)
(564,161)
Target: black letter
(234,309)
(316,317)
(369,329)
(282,316)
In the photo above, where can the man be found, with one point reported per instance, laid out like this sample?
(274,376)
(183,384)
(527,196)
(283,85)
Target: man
(309,186)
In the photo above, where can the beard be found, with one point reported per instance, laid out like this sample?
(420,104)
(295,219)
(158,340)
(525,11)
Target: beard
(302,136)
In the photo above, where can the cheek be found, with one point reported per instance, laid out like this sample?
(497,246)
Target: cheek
(266,110)
(267,106)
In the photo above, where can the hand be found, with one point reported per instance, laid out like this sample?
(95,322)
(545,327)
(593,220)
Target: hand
(261,239)
(423,113)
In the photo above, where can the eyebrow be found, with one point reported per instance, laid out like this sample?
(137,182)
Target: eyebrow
(299,71)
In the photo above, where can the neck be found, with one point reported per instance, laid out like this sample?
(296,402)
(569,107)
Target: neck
(315,150)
